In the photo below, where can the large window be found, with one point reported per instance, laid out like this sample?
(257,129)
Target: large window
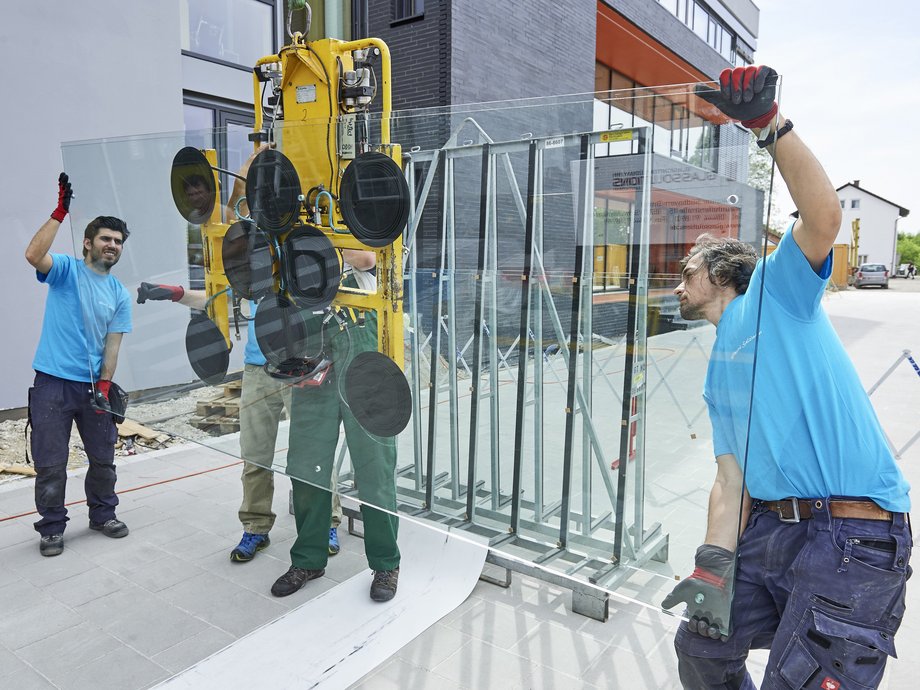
(225,127)
(676,132)
(231,32)
(704,23)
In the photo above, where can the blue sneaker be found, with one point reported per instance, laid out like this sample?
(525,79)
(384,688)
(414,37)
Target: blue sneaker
(333,542)
(249,544)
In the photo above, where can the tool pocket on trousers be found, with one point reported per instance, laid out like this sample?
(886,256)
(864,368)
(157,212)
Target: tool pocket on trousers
(850,655)
(46,401)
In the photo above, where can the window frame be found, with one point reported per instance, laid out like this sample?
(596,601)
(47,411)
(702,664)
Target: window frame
(274,5)
(223,112)
(400,11)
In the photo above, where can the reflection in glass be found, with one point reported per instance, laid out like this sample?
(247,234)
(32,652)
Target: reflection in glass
(554,389)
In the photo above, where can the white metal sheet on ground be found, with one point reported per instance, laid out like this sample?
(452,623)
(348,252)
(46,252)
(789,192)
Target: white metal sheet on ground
(341,635)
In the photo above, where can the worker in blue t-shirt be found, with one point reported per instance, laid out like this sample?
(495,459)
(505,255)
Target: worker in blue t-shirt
(817,568)
(262,400)
(86,313)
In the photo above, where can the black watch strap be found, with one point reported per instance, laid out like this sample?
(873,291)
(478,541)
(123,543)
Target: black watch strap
(774,136)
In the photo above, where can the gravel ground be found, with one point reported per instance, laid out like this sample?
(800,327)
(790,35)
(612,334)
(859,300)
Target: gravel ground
(169,416)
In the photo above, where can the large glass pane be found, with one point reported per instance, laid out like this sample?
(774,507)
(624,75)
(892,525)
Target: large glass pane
(521,370)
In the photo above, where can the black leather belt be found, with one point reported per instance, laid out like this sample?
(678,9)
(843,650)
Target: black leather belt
(796,509)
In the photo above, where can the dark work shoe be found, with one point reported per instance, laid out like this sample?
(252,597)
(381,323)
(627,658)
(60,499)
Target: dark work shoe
(294,579)
(111,528)
(52,545)
(333,541)
(383,588)
(248,546)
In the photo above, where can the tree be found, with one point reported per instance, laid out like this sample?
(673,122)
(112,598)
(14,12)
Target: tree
(909,248)
(760,174)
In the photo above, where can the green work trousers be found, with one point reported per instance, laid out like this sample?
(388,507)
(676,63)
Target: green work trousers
(262,400)
(317,412)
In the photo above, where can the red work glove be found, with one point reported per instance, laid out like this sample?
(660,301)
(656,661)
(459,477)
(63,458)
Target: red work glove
(153,291)
(747,94)
(65,192)
(707,591)
(101,397)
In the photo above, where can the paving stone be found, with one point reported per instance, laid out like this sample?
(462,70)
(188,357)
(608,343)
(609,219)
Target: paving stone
(86,586)
(42,571)
(161,626)
(121,669)
(34,622)
(55,656)
(189,652)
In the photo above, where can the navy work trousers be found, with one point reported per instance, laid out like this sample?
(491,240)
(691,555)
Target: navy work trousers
(825,595)
(54,405)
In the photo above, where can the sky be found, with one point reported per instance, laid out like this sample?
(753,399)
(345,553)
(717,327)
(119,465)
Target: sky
(851,85)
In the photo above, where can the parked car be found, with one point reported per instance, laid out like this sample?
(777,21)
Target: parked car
(871,274)
(902,272)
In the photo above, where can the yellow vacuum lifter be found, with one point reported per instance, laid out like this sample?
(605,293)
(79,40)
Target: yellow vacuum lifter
(320,120)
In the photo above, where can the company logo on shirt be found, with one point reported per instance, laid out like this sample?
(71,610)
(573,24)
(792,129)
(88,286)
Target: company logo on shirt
(747,341)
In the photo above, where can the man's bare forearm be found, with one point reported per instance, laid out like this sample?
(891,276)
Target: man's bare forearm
(110,356)
(813,194)
(37,253)
(726,501)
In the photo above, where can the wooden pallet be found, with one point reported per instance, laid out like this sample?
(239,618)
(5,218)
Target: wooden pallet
(226,403)
(221,414)
(216,424)
(223,405)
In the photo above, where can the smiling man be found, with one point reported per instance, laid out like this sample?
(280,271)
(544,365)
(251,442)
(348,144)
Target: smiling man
(86,313)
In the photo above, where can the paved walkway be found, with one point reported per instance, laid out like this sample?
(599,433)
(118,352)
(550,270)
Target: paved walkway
(130,613)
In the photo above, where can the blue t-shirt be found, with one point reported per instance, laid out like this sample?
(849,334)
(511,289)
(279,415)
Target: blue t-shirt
(813,431)
(82,308)
(252,354)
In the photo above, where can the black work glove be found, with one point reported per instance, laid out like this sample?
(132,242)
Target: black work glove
(707,591)
(101,397)
(65,193)
(153,291)
(747,94)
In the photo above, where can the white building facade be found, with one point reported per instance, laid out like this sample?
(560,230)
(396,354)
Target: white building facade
(108,68)
(878,224)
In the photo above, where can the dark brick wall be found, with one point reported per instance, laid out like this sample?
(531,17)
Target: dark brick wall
(507,49)
(420,51)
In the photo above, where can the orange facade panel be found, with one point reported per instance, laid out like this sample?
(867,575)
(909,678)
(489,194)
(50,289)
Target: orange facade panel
(623,46)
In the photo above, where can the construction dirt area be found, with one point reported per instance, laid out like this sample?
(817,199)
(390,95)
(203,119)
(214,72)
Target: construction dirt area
(149,426)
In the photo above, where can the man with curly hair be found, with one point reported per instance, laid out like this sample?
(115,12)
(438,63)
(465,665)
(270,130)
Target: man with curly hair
(808,537)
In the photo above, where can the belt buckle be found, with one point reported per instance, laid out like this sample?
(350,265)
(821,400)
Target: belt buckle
(796,517)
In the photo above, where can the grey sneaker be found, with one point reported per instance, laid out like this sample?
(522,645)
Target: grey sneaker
(111,528)
(294,579)
(383,587)
(52,545)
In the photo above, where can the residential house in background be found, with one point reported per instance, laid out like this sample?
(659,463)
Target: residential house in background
(877,237)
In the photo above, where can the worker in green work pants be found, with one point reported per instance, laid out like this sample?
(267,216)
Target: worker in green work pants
(316,415)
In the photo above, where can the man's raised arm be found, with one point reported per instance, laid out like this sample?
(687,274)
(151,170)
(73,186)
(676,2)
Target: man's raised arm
(37,253)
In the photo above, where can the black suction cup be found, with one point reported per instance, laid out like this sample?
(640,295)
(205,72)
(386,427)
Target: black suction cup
(207,350)
(247,260)
(283,332)
(312,269)
(273,191)
(378,394)
(374,199)
(192,182)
